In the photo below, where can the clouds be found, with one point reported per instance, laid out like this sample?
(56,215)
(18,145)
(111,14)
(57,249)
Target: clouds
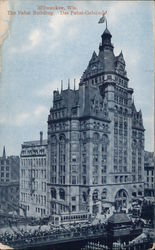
(24,118)
(20,119)
(49,37)
(43,50)
(117,9)
(35,38)
(32,41)
(47,90)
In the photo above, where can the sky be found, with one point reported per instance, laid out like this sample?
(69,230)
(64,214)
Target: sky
(42,50)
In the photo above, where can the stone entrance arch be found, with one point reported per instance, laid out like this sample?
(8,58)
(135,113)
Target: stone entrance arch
(121,199)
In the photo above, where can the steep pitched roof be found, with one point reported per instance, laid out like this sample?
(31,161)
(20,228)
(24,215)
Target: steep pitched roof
(118,218)
(107,32)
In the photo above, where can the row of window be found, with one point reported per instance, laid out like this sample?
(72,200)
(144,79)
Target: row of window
(60,126)
(150,172)
(3,180)
(5,174)
(120,169)
(62,195)
(150,179)
(121,132)
(99,79)
(40,210)
(121,91)
(121,179)
(58,114)
(120,160)
(95,179)
(120,100)
(33,173)
(35,185)
(120,110)
(74,217)
(134,179)
(4,162)
(33,151)
(134,167)
(137,134)
(34,162)
(35,199)
(5,168)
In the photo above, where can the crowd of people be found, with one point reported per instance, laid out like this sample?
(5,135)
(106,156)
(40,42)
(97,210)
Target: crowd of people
(53,233)
(17,235)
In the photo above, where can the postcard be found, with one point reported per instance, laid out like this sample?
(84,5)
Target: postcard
(76,124)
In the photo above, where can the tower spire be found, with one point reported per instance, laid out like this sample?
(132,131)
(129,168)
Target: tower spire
(68,83)
(74,84)
(61,85)
(4,153)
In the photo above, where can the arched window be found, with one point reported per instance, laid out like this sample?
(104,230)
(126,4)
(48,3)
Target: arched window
(62,194)
(62,149)
(134,194)
(116,108)
(96,136)
(95,195)
(125,111)
(104,194)
(140,193)
(105,138)
(84,196)
(53,193)
(53,139)
(120,110)
(121,199)
(134,143)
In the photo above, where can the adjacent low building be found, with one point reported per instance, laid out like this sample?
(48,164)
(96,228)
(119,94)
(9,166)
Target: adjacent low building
(9,183)
(33,177)
(149,165)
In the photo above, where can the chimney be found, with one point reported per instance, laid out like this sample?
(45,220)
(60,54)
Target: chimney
(41,137)
(4,154)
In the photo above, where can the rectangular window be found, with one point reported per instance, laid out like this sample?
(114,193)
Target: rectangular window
(95,179)
(139,178)
(116,179)
(7,175)
(84,179)
(104,179)
(121,179)
(73,179)
(74,168)
(73,198)
(73,208)
(104,169)
(115,168)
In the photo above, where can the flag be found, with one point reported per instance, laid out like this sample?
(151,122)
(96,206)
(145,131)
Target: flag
(102,19)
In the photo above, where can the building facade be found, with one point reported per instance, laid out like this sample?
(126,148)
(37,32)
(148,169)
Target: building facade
(95,140)
(149,175)
(33,177)
(9,183)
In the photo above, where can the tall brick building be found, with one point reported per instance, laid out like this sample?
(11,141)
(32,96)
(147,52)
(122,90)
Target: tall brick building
(9,183)
(33,177)
(149,165)
(95,140)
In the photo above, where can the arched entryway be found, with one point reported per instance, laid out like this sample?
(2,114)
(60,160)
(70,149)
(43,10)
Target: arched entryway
(121,199)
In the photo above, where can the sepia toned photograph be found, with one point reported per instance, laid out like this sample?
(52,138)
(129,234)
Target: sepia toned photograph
(77,125)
